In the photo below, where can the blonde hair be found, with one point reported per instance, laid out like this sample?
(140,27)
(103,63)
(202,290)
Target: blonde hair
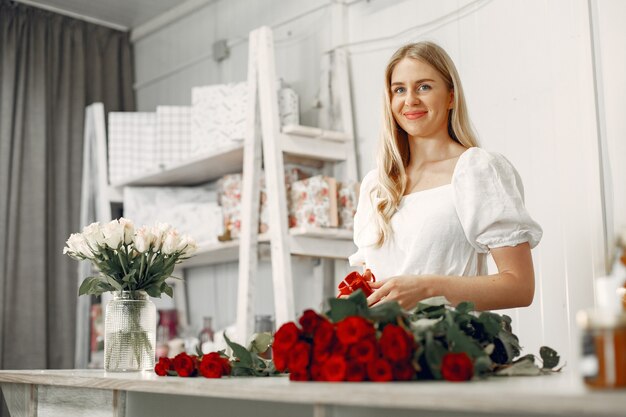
(394,153)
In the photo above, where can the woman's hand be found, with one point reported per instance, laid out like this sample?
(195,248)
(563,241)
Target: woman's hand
(407,290)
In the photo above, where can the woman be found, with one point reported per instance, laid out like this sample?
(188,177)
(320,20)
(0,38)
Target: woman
(437,204)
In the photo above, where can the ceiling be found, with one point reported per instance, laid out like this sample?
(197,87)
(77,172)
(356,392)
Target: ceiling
(122,14)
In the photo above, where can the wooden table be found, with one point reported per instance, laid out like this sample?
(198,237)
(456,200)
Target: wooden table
(70,393)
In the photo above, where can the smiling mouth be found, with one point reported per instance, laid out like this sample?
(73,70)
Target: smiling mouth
(415,115)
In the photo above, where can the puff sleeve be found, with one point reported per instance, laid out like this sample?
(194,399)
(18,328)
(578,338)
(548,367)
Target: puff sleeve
(364,235)
(489,200)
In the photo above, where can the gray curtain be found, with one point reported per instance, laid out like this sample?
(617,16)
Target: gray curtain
(51,67)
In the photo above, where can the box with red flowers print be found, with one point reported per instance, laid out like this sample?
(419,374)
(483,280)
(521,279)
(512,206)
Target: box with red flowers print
(347,199)
(230,196)
(314,202)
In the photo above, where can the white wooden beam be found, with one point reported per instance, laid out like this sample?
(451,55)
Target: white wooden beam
(275,179)
(248,239)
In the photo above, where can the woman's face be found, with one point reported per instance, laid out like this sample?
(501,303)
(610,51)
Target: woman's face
(420,99)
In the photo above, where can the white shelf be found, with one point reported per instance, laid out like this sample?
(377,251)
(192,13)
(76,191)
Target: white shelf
(315,148)
(316,242)
(201,168)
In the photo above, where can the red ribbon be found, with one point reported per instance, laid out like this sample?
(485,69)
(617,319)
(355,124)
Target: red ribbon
(354,281)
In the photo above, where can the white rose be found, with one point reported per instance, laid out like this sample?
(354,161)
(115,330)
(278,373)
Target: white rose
(129,230)
(159,231)
(113,234)
(171,241)
(143,239)
(93,235)
(187,245)
(76,244)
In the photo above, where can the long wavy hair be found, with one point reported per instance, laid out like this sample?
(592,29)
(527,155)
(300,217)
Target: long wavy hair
(394,152)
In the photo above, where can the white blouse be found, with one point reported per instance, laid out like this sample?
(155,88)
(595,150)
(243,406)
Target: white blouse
(448,230)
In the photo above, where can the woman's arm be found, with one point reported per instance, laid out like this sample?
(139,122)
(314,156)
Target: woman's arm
(512,286)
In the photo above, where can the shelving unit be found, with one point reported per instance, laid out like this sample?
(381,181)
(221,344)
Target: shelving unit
(292,143)
(316,242)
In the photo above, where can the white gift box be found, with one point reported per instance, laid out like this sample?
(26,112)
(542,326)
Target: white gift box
(131,143)
(190,210)
(173,135)
(289,106)
(218,116)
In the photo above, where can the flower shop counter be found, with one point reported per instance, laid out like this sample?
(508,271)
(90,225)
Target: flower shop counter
(96,393)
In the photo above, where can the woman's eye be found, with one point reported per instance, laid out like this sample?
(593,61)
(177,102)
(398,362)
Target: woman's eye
(423,87)
(399,90)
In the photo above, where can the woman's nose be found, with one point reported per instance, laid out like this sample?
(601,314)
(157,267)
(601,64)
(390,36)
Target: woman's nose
(411,98)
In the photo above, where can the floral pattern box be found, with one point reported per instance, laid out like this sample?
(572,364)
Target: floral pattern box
(314,202)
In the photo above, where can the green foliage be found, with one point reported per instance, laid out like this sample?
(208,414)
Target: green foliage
(549,357)
(439,328)
(247,362)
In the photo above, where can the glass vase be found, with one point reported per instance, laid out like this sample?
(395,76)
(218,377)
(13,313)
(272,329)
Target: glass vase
(129,332)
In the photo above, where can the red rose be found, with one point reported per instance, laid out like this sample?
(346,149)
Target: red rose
(355,372)
(403,371)
(457,367)
(309,321)
(316,372)
(164,365)
(212,365)
(379,370)
(334,369)
(299,357)
(300,375)
(352,329)
(323,336)
(396,344)
(338,348)
(286,337)
(363,351)
(320,356)
(185,365)
(280,359)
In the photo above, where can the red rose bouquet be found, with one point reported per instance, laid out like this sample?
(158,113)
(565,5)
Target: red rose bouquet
(353,342)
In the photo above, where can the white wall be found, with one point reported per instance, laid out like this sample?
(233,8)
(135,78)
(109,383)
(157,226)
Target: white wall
(527,71)
(611,40)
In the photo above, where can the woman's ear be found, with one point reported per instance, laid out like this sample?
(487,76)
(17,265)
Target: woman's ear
(451,104)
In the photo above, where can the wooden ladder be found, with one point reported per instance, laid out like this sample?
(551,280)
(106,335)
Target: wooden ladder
(264,128)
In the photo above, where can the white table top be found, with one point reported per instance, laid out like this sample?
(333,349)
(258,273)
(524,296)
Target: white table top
(558,394)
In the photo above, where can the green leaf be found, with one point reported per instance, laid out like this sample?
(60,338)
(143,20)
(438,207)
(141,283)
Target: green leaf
(358,298)
(434,352)
(464,307)
(386,312)
(482,365)
(460,342)
(340,308)
(240,352)
(549,357)
(167,290)
(525,367)
(87,284)
(260,342)
(241,371)
(114,283)
(491,324)
(429,311)
(153,291)
(510,344)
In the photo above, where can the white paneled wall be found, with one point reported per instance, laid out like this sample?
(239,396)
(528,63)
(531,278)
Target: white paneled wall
(527,71)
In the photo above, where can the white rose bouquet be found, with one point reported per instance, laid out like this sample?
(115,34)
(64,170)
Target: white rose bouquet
(128,259)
